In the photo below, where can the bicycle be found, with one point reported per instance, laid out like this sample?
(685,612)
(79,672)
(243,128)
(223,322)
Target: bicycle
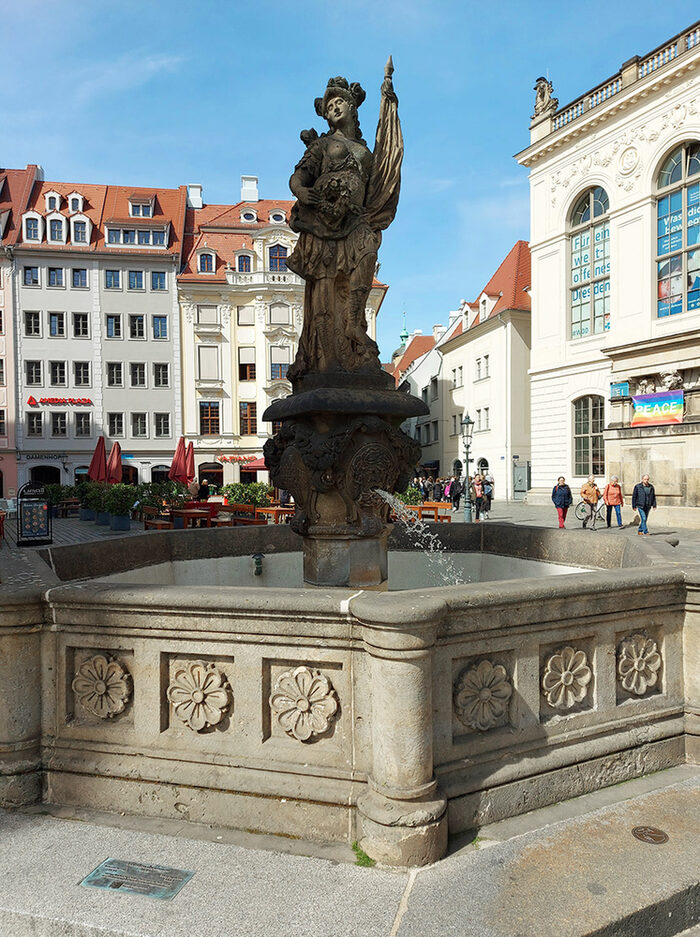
(581,511)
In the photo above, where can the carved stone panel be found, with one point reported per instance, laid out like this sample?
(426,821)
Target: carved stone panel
(199,693)
(102,686)
(304,703)
(639,666)
(566,678)
(481,695)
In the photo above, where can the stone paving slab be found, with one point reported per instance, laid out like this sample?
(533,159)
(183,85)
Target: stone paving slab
(574,878)
(579,878)
(235,892)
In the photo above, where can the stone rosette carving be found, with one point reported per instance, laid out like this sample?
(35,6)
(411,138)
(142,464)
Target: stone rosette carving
(304,702)
(199,693)
(481,695)
(566,678)
(102,686)
(638,664)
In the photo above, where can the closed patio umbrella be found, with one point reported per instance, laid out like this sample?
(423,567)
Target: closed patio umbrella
(114,464)
(178,470)
(189,462)
(97,472)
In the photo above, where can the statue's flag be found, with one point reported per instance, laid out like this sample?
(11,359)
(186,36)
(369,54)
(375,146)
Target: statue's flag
(658,409)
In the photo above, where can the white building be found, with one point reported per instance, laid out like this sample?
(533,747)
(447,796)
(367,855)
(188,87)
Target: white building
(241,318)
(96,328)
(615,235)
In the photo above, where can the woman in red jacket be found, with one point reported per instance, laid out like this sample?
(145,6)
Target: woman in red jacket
(612,495)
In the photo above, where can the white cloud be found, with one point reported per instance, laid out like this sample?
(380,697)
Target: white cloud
(128,71)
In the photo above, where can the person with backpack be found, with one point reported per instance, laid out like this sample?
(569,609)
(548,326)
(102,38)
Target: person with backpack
(563,499)
(643,500)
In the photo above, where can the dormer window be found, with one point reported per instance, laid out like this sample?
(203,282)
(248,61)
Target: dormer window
(206,263)
(277,217)
(75,202)
(483,310)
(52,201)
(248,216)
(141,209)
(31,229)
(114,235)
(81,229)
(56,228)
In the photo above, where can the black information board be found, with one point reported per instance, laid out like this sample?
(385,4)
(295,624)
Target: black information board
(33,516)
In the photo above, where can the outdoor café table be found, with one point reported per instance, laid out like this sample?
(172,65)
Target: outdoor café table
(190,516)
(65,507)
(275,513)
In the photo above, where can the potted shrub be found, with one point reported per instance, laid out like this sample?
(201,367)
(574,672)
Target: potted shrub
(119,500)
(87,500)
(96,500)
(54,493)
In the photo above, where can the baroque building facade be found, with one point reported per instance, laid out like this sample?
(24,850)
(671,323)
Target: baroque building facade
(615,245)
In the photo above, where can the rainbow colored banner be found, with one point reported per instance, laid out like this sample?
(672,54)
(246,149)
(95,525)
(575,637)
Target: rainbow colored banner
(658,409)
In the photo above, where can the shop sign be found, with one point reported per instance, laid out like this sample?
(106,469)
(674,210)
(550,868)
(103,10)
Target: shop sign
(237,458)
(658,409)
(33,516)
(55,456)
(621,389)
(61,401)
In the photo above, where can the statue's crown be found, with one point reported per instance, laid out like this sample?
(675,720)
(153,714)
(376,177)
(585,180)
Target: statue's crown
(340,88)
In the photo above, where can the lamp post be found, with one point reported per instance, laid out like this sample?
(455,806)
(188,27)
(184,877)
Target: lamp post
(467,430)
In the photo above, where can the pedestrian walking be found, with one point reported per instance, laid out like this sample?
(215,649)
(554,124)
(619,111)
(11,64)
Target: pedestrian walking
(438,490)
(488,495)
(590,493)
(455,492)
(612,495)
(478,496)
(563,499)
(643,500)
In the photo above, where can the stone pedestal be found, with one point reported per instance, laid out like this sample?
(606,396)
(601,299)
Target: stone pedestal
(340,442)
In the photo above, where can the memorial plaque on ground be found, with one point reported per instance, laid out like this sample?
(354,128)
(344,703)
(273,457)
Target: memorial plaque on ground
(136,878)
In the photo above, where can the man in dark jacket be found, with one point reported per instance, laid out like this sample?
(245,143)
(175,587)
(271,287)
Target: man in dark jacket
(643,500)
(455,492)
(562,498)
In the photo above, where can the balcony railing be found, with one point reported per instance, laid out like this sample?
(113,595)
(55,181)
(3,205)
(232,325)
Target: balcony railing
(263,278)
(634,70)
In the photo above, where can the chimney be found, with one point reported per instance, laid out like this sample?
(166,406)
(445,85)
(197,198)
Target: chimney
(249,189)
(437,331)
(194,195)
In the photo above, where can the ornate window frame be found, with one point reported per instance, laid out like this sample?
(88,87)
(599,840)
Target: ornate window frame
(677,254)
(588,231)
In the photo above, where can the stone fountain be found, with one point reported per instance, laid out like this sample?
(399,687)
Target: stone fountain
(340,438)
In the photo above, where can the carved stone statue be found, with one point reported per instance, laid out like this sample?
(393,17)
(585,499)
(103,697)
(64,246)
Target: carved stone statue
(671,379)
(346,196)
(545,102)
(340,439)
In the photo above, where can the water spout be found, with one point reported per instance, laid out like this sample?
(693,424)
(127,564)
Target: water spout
(258,558)
(439,561)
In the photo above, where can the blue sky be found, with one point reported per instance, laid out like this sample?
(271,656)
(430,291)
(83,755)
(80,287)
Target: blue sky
(166,93)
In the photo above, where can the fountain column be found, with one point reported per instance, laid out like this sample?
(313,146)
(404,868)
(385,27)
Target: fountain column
(340,438)
(403,815)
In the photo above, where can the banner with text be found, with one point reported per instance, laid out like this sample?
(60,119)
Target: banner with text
(658,409)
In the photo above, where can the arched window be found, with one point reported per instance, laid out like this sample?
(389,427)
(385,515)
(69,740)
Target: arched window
(590,264)
(278,258)
(206,263)
(678,231)
(589,447)
(244,263)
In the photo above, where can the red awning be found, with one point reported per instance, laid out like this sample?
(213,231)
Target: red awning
(257,465)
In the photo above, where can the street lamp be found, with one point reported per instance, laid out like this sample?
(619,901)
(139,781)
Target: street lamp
(467,430)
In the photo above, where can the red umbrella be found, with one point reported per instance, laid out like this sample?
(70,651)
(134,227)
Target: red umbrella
(189,462)
(114,464)
(178,470)
(98,465)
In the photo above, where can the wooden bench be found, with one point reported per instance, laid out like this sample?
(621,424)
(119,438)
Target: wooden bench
(222,521)
(157,523)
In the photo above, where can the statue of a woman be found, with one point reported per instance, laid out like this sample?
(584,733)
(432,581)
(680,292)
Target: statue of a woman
(346,196)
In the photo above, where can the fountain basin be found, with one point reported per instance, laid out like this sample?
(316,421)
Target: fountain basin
(391,718)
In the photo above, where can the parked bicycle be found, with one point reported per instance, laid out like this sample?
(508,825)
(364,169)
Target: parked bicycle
(581,511)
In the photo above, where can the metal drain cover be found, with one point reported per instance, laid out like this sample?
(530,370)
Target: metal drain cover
(650,834)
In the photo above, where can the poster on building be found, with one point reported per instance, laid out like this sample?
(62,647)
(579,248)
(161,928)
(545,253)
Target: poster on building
(658,409)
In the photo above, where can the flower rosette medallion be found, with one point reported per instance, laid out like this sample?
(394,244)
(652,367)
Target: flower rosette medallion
(102,686)
(199,693)
(304,702)
(566,678)
(638,664)
(482,694)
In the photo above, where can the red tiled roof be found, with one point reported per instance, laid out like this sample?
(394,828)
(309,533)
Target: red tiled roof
(509,283)
(107,202)
(225,243)
(15,186)
(417,346)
